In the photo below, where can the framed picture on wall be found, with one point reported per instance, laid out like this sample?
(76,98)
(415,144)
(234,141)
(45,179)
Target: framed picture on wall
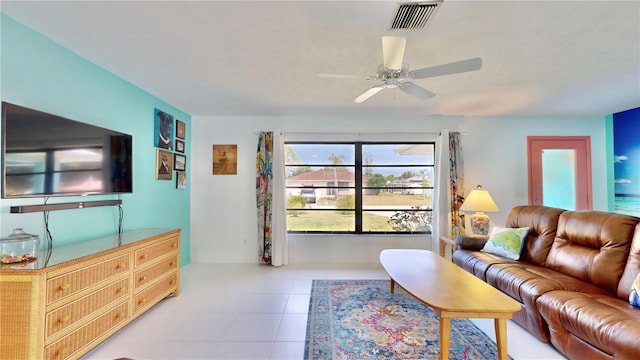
(626,146)
(180,129)
(225,159)
(179,146)
(179,162)
(163,130)
(164,168)
(181,180)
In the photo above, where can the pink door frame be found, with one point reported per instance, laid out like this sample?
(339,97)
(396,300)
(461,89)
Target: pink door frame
(582,147)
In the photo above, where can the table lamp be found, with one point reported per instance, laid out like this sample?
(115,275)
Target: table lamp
(479,200)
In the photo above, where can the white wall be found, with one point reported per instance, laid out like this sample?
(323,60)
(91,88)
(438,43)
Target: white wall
(495,156)
(223,214)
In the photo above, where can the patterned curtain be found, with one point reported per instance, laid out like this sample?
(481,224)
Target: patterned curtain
(264,195)
(456,186)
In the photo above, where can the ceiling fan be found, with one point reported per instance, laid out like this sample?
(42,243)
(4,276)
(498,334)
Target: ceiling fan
(395,74)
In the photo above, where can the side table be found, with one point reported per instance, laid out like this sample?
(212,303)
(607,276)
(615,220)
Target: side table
(444,243)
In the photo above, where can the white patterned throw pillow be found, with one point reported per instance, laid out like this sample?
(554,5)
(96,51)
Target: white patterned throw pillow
(506,242)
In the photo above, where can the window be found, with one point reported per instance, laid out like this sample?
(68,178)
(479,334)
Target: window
(359,187)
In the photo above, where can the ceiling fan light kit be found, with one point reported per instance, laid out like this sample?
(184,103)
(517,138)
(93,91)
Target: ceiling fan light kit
(393,52)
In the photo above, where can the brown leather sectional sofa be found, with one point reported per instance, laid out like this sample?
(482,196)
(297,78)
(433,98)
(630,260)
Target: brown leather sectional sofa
(573,279)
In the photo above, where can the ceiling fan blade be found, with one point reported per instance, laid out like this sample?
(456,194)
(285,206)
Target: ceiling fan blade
(393,52)
(446,69)
(369,93)
(345,76)
(416,91)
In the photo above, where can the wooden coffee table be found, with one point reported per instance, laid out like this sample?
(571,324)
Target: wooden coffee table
(450,291)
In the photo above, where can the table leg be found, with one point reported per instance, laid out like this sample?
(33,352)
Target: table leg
(445,331)
(392,285)
(501,338)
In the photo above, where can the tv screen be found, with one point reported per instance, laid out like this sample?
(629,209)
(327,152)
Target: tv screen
(48,155)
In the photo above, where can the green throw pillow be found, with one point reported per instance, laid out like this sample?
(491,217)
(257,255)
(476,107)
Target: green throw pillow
(506,242)
(634,296)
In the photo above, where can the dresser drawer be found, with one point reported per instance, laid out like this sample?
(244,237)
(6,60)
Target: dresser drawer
(74,312)
(65,285)
(152,252)
(68,345)
(156,293)
(154,271)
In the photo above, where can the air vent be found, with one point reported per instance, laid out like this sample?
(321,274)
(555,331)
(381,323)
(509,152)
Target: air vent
(414,16)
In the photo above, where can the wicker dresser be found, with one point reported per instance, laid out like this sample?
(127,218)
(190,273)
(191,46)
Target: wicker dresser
(74,297)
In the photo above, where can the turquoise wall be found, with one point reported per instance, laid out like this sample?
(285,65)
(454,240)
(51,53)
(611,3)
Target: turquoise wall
(610,160)
(38,73)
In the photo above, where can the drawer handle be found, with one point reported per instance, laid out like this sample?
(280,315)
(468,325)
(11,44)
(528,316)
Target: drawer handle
(174,245)
(64,286)
(120,266)
(142,301)
(171,282)
(119,290)
(64,319)
(120,315)
(62,351)
(143,256)
(173,263)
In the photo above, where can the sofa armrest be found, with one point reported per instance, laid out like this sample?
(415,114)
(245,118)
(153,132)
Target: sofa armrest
(471,242)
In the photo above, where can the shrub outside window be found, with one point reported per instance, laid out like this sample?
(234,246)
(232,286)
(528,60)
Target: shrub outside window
(359,187)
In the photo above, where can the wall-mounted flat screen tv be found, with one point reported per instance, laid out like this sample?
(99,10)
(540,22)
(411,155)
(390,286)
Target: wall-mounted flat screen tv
(48,155)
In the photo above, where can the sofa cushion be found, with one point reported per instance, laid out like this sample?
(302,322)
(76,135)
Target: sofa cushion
(603,321)
(592,246)
(506,242)
(542,222)
(525,283)
(476,262)
(634,295)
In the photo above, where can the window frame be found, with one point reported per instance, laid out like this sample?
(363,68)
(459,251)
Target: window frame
(359,187)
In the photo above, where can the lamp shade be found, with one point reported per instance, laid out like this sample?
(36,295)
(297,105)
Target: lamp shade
(479,200)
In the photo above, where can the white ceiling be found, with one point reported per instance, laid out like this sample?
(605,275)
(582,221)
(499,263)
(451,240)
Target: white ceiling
(226,58)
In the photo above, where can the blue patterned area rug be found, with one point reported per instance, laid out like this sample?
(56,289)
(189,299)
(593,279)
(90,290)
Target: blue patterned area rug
(362,319)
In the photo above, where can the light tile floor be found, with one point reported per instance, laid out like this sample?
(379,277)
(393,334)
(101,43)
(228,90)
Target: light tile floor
(250,311)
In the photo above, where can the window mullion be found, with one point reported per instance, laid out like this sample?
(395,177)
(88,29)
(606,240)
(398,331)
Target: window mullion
(358,190)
